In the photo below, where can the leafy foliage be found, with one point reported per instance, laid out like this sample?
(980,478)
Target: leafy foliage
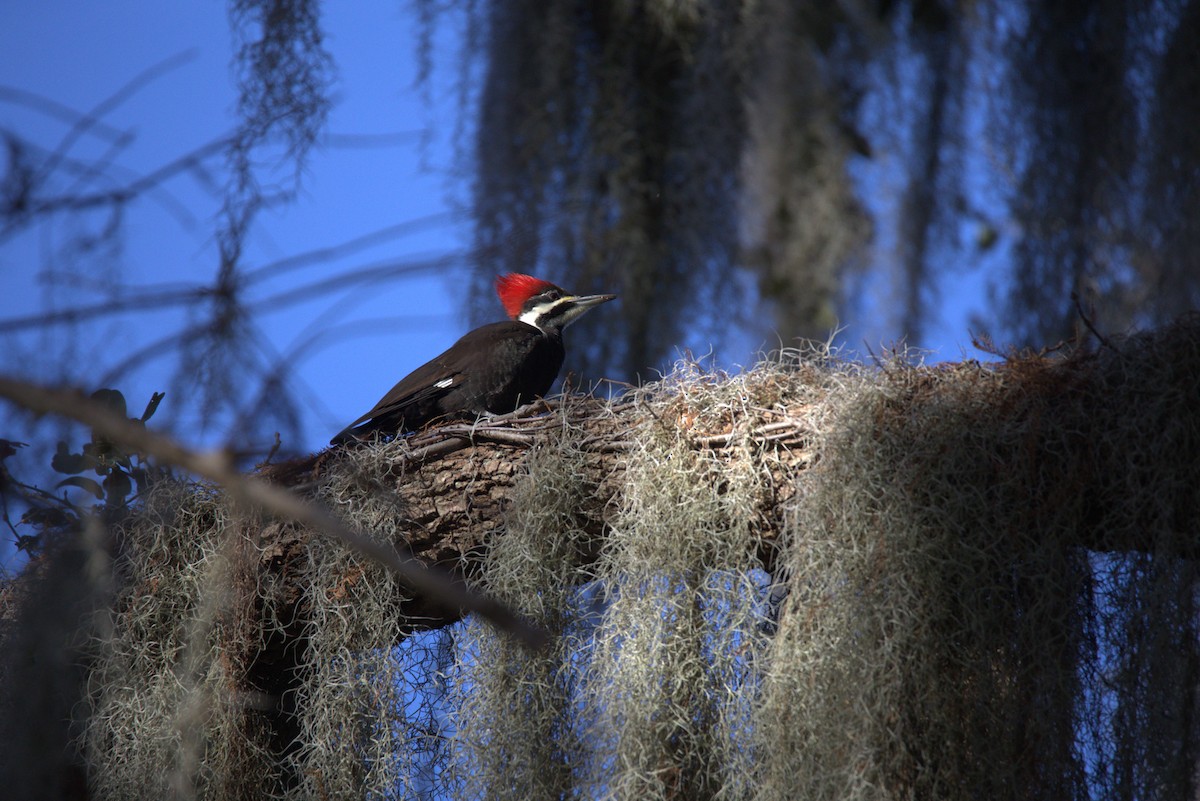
(121,477)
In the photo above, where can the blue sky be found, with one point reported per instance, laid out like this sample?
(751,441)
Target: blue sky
(79,54)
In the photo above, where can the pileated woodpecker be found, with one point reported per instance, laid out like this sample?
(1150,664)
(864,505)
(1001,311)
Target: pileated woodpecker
(495,368)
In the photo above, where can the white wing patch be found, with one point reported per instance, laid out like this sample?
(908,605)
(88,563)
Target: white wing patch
(445,382)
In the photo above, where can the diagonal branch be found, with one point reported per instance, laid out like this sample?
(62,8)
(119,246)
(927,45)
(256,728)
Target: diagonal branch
(437,585)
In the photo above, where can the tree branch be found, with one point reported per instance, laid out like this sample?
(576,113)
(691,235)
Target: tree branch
(435,584)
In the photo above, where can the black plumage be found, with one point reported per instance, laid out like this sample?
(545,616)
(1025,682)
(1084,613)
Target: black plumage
(492,369)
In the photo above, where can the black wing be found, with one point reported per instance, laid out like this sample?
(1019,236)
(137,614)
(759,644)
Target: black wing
(395,410)
(437,387)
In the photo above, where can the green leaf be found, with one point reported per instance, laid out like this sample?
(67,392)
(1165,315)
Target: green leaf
(152,406)
(64,461)
(105,454)
(9,447)
(117,486)
(112,399)
(83,483)
(47,517)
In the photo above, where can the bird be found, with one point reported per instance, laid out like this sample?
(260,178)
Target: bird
(493,369)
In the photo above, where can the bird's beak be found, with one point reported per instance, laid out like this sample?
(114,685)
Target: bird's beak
(588,301)
(580,304)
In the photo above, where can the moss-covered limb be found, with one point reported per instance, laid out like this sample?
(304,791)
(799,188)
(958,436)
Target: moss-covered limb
(993,560)
(964,543)
(1043,428)
(432,583)
(450,508)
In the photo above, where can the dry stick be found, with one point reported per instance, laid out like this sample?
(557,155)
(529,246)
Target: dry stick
(428,580)
(1088,322)
(456,436)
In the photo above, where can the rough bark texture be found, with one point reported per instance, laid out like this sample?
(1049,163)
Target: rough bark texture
(452,484)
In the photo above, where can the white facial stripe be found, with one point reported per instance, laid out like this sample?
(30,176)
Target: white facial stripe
(544,311)
(531,317)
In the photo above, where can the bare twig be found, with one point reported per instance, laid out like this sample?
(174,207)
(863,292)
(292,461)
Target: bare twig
(370,273)
(325,255)
(440,448)
(772,432)
(430,581)
(518,429)
(455,436)
(59,111)
(131,88)
(155,299)
(362,141)
(1087,320)
(122,194)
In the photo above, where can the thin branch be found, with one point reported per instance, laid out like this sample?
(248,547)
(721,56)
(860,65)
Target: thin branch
(157,349)
(123,194)
(161,298)
(429,581)
(359,141)
(88,120)
(153,300)
(64,113)
(113,174)
(328,254)
(367,274)
(1087,320)
(781,432)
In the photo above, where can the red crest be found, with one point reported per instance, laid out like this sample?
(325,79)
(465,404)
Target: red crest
(514,289)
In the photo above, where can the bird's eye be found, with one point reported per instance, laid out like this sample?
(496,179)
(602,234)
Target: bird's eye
(552,294)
